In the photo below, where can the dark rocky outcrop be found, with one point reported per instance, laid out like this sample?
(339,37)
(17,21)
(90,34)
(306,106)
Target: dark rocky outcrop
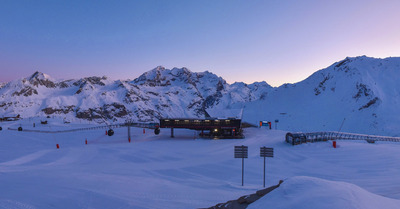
(64,110)
(27,91)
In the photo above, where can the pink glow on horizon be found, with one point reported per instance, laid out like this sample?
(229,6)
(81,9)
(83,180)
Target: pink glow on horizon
(277,42)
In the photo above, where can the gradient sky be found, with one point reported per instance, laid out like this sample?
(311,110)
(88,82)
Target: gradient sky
(277,41)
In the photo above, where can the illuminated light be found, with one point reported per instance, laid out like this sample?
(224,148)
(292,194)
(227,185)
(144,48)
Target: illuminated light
(166,120)
(187,121)
(176,120)
(215,130)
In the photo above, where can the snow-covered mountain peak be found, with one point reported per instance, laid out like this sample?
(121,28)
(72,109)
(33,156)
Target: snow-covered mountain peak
(159,68)
(253,85)
(364,65)
(161,76)
(363,90)
(180,71)
(39,76)
(94,80)
(40,79)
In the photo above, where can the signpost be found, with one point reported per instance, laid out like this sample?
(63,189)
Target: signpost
(241,152)
(266,152)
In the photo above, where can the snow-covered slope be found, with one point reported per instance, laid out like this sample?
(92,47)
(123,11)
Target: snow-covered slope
(304,192)
(361,92)
(158,172)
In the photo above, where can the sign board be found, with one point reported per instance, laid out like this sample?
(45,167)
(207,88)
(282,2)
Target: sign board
(266,152)
(241,151)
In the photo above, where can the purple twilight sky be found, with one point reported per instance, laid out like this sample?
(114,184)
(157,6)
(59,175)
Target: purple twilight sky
(249,40)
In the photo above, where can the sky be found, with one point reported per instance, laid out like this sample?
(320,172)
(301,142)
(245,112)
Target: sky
(277,41)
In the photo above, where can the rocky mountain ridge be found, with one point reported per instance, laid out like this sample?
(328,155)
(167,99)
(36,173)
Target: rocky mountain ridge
(156,93)
(362,93)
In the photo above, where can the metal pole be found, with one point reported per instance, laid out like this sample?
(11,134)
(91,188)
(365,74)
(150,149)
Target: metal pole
(341,125)
(242,170)
(264,173)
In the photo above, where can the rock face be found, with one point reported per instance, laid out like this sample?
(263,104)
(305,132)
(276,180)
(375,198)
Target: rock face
(361,93)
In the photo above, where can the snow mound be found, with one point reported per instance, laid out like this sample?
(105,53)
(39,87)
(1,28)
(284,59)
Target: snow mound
(308,192)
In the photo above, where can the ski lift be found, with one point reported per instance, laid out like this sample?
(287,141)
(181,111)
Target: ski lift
(157,131)
(110,132)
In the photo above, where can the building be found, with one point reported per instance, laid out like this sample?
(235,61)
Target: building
(211,127)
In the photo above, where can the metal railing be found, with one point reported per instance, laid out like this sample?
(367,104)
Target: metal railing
(299,137)
(139,125)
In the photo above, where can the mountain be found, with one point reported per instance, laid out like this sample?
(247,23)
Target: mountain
(155,94)
(359,94)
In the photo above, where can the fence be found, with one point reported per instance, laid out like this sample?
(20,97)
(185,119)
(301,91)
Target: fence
(299,137)
(140,125)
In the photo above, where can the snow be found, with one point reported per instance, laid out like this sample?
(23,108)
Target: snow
(360,91)
(156,171)
(322,101)
(188,172)
(307,192)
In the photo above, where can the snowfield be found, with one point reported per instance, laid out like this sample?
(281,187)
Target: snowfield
(156,171)
(307,192)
